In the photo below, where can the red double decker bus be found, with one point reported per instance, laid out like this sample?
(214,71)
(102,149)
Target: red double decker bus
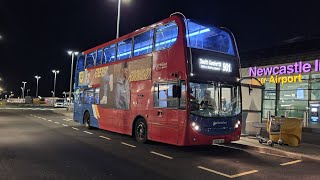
(176,82)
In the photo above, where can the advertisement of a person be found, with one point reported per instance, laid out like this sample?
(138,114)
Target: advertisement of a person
(107,81)
(122,93)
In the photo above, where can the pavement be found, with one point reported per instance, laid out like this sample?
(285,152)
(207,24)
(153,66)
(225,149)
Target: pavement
(305,151)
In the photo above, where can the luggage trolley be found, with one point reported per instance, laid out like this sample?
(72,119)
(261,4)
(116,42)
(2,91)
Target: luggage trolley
(273,128)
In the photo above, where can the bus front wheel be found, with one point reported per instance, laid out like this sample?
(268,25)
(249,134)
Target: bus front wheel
(141,131)
(86,119)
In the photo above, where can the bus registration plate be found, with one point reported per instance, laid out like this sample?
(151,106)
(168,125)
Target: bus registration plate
(218,141)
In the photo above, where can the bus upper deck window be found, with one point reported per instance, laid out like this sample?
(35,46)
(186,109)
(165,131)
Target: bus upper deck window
(166,36)
(80,64)
(124,49)
(90,59)
(209,38)
(99,54)
(143,43)
(109,54)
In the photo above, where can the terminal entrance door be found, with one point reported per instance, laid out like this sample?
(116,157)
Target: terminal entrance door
(251,91)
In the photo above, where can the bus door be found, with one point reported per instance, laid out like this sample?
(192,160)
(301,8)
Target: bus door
(165,113)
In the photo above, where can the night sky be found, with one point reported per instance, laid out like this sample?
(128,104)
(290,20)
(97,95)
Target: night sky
(36,34)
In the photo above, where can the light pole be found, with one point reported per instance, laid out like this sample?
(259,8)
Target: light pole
(24,87)
(72,53)
(21,92)
(37,77)
(55,72)
(28,92)
(118,18)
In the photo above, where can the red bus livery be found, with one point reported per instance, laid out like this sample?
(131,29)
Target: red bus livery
(176,82)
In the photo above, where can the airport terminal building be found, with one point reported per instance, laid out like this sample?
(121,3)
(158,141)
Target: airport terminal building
(290,75)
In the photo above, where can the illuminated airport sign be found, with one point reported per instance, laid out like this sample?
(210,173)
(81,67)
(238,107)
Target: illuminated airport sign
(284,73)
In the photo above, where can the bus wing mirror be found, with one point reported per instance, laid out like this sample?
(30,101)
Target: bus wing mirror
(176,91)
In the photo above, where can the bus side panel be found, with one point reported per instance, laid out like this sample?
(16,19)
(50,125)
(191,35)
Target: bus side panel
(114,120)
(78,112)
(182,124)
(141,103)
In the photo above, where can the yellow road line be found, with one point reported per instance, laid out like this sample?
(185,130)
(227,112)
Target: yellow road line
(75,128)
(105,137)
(227,175)
(130,145)
(216,172)
(244,173)
(291,162)
(87,132)
(159,154)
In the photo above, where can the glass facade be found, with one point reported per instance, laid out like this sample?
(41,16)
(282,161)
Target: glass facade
(293,98)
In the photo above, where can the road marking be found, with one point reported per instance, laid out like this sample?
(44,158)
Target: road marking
(44,118)
(56,122)
(50,120)
(67,119)
(216,172)
(64,125)
(39,117)
(87,132)
(75,128)
(227,175)
(105,137)
(130,145)
(159,154)
(244,173)
(251,151)
(291,162)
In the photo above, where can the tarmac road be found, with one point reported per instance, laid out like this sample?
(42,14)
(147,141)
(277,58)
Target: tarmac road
(44,144)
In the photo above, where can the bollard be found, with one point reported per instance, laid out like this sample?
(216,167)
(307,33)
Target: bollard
(305,119)
(268,115)
(286,114)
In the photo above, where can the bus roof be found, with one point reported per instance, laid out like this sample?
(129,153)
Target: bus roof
(134,33)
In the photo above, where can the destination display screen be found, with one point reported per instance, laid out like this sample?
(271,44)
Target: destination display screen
(208,65)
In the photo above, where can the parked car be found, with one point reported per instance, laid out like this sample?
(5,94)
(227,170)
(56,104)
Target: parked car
(59,103)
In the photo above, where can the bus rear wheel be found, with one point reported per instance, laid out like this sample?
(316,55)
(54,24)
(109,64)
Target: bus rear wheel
(86,120)
(141,131)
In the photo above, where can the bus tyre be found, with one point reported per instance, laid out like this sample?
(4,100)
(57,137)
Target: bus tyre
(141,132)
(86,119)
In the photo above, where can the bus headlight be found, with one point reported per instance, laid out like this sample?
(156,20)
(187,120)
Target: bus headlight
(195,126)
(237,124)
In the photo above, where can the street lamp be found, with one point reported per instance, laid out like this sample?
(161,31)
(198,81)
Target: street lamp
(28,92)
(72,53)
(24,87)
(118,18)
(22,90)
(37,77)
(55,72)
